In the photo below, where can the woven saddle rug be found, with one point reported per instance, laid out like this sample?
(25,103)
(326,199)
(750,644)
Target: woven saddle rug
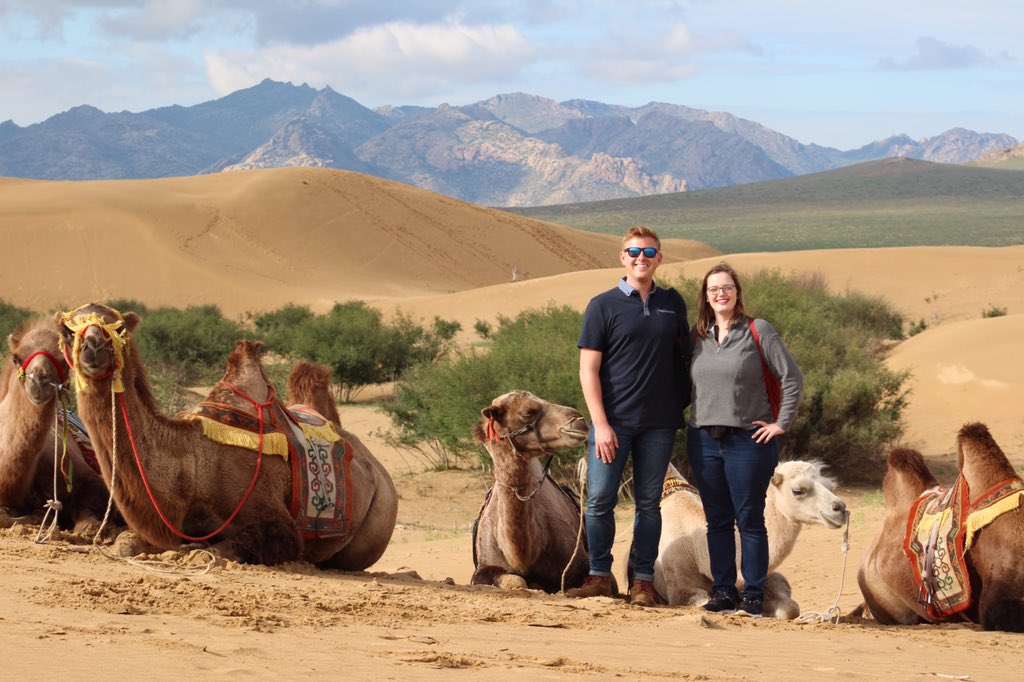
(76,430)
(940,531)
(674,484)
(321,459)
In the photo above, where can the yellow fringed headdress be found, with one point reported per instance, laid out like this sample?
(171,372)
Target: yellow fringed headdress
(78,321)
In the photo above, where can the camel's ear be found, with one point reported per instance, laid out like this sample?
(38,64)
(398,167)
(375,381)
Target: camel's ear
(66,334)
(131,321)
(494,412)
(12,342)
(777,479)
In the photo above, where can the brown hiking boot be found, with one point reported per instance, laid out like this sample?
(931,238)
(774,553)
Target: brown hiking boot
(593,586)
(642,593)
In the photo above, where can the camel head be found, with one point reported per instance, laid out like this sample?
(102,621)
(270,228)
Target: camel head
(906,477)
(36,358)
(980,459)
(534,426)
(93,339)
(804,495)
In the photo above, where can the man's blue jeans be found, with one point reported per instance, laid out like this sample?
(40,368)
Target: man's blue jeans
(651,450)
(732,475)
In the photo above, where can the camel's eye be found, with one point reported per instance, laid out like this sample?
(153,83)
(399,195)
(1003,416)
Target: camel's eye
(799,492)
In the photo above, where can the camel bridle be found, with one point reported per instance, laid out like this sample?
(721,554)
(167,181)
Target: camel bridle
(24,374)
(534,427)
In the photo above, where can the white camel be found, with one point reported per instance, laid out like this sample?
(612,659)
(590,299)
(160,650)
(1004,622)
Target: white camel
(798,495)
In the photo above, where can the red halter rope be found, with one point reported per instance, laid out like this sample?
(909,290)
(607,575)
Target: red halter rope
(67,468)
(48,356)
(259,460)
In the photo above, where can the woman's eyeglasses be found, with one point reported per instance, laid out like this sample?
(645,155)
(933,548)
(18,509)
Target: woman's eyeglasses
(635,251)
(725,289)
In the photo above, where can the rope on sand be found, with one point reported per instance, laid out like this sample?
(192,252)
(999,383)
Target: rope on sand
(54,505)
(581,478)
(833,613)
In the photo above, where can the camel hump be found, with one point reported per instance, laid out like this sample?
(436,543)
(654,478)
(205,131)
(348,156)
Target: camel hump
(911,462)
(309,383)
(975,439)
(978,455)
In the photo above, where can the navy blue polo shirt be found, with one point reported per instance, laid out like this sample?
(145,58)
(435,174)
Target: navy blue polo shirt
(641,362)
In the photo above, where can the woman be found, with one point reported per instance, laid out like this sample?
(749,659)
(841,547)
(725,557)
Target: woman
(731,441)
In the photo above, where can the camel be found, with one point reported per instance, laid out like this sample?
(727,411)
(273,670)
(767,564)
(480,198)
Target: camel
(528,526)
(984,547)
(33,379)
(174,483)
(799,495)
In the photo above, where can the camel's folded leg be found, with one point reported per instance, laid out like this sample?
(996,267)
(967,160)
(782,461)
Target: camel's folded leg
(497,576)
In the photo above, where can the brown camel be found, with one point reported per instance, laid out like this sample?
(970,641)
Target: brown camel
(173,483)
(799,495)
(34,377)
(983,546)
(528,526)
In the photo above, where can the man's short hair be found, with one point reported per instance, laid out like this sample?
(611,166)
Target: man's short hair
(641,232)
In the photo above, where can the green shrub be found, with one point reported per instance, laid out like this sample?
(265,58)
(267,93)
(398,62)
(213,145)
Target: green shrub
(435,406)
(850,413)
(195,341)
(917,327)
(353,340)
(11,319)
(993,311)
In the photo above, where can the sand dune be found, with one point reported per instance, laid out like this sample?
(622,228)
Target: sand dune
(259,239)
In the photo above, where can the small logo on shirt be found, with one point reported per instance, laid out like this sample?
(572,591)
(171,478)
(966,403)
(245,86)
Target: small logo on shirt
(665,311)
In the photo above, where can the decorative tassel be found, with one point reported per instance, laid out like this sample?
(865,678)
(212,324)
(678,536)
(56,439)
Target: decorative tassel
(492,433)
(273,443)
(979,519)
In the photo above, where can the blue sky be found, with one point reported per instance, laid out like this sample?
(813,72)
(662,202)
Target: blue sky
(839,74)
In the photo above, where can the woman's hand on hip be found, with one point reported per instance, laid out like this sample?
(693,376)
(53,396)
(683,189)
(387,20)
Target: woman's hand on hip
(765,431)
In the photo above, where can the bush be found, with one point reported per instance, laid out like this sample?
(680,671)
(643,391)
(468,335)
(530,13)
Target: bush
(11,319)
(850,414)
(355,343)
(993,311)
(195,341)
(435,406)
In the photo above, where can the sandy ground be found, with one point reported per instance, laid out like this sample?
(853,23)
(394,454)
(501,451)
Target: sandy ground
(413,616)
(66,610)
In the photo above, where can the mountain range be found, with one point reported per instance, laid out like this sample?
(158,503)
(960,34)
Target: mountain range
(509,150)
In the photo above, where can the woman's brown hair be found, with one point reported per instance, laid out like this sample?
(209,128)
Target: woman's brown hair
(706,315)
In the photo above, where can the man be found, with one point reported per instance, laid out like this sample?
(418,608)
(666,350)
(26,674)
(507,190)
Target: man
(633,376)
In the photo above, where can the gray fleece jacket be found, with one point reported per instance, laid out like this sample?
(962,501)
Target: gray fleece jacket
(728,385)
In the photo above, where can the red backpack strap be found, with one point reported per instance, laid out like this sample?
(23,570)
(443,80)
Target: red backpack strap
(771,385)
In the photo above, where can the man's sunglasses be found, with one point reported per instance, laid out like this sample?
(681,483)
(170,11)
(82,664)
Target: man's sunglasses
(635,251)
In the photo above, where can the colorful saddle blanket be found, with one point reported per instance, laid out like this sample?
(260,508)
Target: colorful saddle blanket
(76,430)
(674,484)
(321,459)
(940,531)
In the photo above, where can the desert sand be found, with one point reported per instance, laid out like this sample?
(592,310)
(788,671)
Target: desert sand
(67,610)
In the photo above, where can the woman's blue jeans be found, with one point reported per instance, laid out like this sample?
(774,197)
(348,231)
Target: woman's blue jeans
(651,450)
(732,475)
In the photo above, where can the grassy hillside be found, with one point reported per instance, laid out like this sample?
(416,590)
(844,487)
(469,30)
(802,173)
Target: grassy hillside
(894,202)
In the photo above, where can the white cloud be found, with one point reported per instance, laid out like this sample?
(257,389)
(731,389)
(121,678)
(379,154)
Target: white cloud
(389,61)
